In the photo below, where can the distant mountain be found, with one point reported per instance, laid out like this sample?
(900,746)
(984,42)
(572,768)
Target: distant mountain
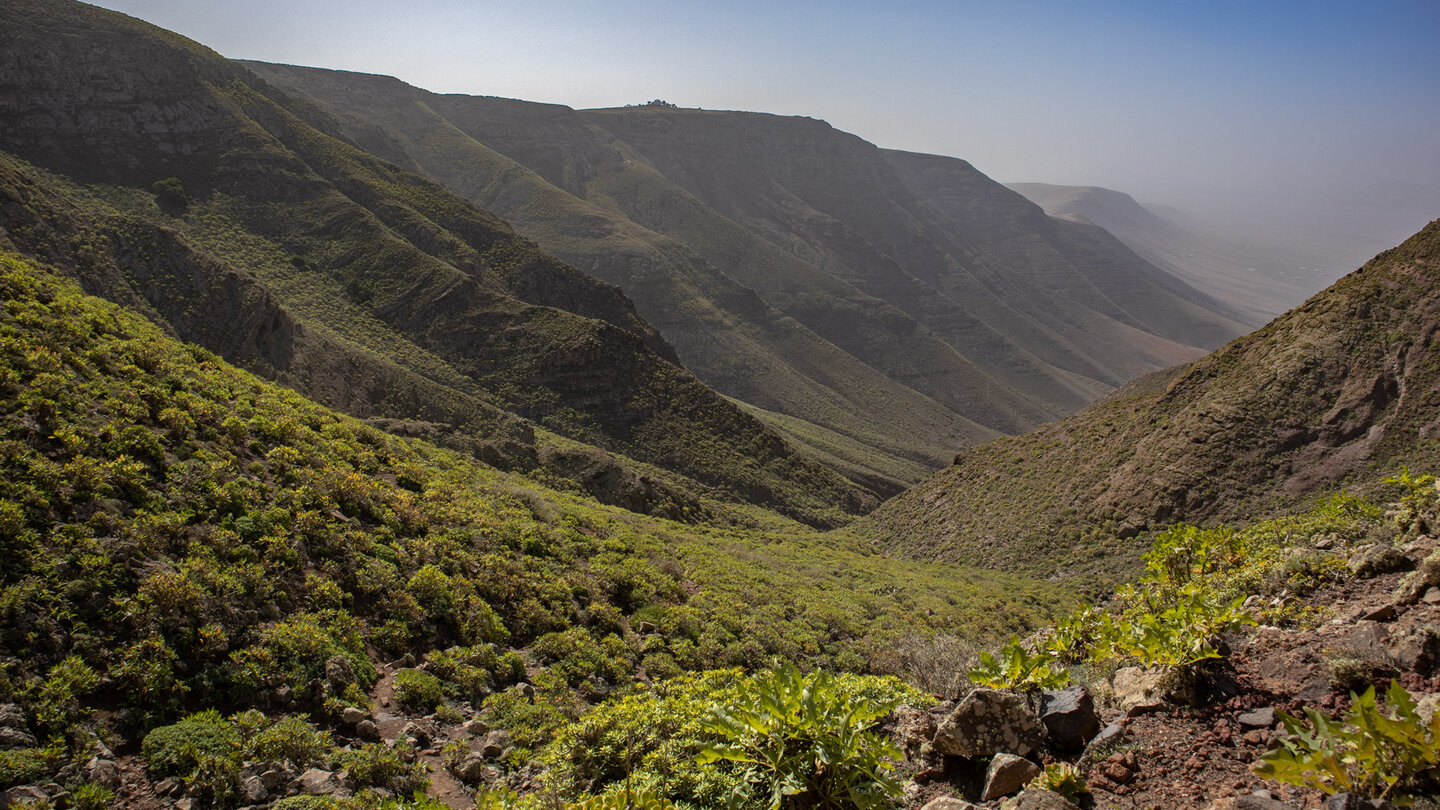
(880,308)
(173,181)
(1260,280)
(1345,386)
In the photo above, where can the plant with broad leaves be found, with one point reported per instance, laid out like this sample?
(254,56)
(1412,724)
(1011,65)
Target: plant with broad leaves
(1384,752)
(1018,668)
(804,744)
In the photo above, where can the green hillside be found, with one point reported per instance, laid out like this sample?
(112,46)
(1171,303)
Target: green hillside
(179,534)
(357,282)
(1340,389)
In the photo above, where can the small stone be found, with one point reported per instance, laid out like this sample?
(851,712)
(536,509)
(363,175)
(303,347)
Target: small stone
(185,804)
(1384,613)
(273,779)
(1258,736)
(351,716)
(646,628)
(1257,802)
(1006,775)
(1432,596)
(472,770)
(526,690)
(477,728)
(317,782)
(1260,718)
(495,744)
(367,730)
(419,732)
(105,772)
(1114,731)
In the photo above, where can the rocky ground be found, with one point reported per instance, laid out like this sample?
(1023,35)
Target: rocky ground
(1145,752)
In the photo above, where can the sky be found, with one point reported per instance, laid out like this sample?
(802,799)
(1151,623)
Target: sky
(1310,120)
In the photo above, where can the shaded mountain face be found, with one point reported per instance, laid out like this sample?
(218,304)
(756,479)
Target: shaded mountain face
(1345,386)
(878,306)
(1259,281)
(176,182)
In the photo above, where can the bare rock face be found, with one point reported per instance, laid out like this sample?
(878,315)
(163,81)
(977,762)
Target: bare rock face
(989,722)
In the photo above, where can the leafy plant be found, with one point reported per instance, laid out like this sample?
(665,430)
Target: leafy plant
(804,744)
(418,689)
(624,799)
(1018,668)
(1062,778)
(176,750)
(1379,752)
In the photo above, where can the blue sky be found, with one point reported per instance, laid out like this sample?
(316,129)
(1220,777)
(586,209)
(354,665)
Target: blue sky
(1318,118)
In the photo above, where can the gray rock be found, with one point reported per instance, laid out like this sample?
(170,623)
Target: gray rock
(29,794)
(103,771)
(12,716)
(1069,717)
(1418,582)
(1254,801)
(367,730)
(421,733)
(1138,691)
(1350,801)
(1432,596)
(15,738)
(1035,799)
(1418,651)
(1260,718)
(351,716)
(645,628)
(339,672)
(1376,559)
(1006,775)
(1114,731)
(477,728)
(185,804)
(273,779)
(472,770)
(1384,613)
(914,728)
(253,790)
(317,782)
(495,745)
(949,803)
(989,722)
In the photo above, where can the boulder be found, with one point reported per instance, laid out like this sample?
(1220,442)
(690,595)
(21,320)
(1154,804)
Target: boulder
(1069,717)
(477,728)
(989,722)
(495,744)
(367,730)
(351,716)
(1138,690)
(339,672)
(472,770)
(105,772)
(11,738)
(12,716)
(1417,651)
(317,782)
(422,733)
(1007,774)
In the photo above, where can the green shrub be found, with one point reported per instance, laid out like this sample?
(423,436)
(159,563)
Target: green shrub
(1381,753)
(417,689)
(305,803)
(294,652)
(378,765)
(175,750)
(624,799)
(23,765)
(91,796)
(291,739)
(804,744)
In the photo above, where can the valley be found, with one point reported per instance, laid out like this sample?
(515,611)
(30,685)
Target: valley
(369,448)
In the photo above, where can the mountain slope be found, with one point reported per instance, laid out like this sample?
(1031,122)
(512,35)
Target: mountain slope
(1258,280)
(724,228)
(380,262)
(1347,384)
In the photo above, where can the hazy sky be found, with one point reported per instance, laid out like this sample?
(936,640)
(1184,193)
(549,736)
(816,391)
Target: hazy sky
(1308,117)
